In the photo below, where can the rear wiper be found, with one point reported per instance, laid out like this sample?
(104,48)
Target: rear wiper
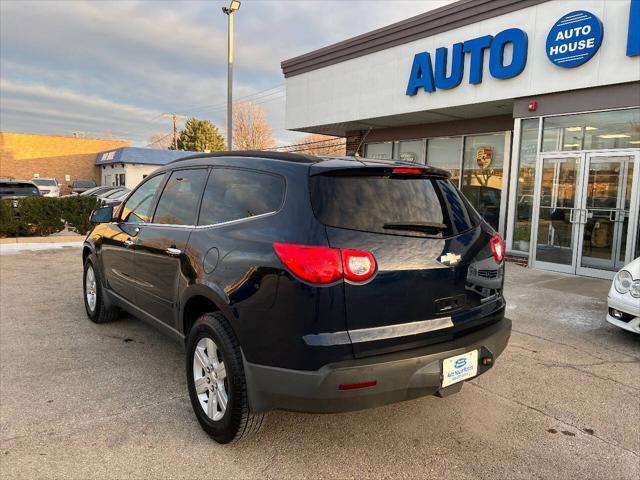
(426,227)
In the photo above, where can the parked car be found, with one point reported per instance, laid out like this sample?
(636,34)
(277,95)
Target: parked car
(623,301)
(303,283)
(48,186)
(79,186)
(115,196)
(485,200)
(16,189)
(95,191)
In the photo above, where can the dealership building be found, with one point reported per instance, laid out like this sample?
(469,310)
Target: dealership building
(532,105)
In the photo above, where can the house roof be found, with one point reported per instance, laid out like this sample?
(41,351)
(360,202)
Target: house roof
(140,156)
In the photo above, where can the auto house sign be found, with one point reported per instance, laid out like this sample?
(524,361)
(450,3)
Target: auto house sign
(574,39)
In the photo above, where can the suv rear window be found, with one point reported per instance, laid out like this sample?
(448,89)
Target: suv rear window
(397,206)
(15,189)
(234,194)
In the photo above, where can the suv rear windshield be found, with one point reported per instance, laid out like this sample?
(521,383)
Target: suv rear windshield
(44,182)
(84,184)
(18,190)
(421,206)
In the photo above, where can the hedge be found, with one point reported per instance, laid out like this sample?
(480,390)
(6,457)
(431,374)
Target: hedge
(46,215)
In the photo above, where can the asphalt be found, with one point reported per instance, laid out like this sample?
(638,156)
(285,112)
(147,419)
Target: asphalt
(79,400)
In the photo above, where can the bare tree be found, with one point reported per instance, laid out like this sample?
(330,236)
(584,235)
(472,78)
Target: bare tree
(322,145)
(161,141)
(251,130)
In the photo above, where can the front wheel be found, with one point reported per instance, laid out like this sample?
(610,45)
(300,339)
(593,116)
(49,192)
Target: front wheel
(216,381)
(94,304)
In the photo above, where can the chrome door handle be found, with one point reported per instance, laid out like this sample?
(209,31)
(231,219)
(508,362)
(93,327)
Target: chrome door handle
(128,242)
(571,215)
(174,252)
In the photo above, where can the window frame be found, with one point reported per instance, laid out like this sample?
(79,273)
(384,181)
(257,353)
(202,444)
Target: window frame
(244,219)
(154,201)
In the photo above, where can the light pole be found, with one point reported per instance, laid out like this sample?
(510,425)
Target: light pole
(235,5)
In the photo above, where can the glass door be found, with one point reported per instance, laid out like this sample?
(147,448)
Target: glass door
(555,233)
(586,212)
(605,214)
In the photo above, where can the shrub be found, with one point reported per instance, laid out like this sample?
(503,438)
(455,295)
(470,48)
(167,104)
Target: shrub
(77,210)
(41,215)
(11,225)
(45,215)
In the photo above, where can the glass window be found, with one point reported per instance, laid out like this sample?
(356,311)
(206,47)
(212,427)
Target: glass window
(234,194)
(178,204)
(482,174)
(445,153)
(138,207)
(394,206)
(525,185)
(380,151)
(410,151)
(592,131)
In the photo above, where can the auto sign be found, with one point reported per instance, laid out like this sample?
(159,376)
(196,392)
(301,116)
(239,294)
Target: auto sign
(574,39)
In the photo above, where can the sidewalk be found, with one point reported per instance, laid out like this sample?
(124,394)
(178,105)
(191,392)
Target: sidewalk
(20,244)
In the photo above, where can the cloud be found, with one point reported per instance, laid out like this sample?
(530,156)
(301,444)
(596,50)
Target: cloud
(107,64)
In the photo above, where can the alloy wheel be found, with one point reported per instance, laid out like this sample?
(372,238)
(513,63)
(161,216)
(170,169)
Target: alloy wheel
(210,378)
(90,288)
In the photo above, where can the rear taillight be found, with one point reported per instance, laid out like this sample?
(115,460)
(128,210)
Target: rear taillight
(325,265)
(314,264)
(358,266)
(497,247)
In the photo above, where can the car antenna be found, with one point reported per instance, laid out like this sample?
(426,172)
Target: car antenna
(364,137)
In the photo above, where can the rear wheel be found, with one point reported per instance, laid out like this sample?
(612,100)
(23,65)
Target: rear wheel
(94,304)
(216,381)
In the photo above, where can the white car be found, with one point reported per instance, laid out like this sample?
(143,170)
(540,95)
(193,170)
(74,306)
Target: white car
(48,186)
(623,301)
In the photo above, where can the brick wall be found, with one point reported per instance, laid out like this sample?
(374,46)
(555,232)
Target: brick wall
(23,154)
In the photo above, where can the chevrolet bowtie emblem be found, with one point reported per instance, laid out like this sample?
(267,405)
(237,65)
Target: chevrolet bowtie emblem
(450,259)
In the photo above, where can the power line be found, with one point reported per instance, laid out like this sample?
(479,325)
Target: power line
(159,140)
(221,108)
(255,96)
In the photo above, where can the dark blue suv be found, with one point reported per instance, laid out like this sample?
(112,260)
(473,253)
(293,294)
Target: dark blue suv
(303,283)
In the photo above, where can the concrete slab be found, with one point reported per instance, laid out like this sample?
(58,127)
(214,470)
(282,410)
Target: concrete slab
(79,400)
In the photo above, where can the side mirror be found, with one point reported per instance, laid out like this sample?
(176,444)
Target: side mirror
(102,215)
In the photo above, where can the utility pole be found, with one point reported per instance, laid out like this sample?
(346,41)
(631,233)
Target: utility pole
(174,117)
(235,5)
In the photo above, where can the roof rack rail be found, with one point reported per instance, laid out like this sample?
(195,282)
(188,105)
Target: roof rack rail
(288,157)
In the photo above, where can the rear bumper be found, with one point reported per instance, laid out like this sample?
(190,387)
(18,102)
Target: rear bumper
(399,376)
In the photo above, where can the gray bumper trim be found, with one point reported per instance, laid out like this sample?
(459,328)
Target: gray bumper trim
(400,376)
(377,333)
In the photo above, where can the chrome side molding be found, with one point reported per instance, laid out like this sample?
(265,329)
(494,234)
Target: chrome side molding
(377,333)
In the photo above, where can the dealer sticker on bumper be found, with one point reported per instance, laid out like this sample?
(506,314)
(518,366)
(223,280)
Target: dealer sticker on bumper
(461,367)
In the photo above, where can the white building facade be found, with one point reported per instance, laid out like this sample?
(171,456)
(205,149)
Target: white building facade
(128,166)
(532,105)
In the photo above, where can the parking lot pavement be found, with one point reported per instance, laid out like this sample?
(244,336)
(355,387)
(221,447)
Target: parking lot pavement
(79,400)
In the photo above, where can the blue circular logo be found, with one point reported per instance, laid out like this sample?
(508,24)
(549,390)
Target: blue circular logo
(574,39)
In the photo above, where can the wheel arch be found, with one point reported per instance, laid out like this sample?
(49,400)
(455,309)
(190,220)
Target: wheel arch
(198,300)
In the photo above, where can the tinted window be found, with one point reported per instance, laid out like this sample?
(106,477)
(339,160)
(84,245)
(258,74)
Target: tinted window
(18,190)
(375,203)
(84,184)
(44,182)
(138,207)
(234,194)
(178,204)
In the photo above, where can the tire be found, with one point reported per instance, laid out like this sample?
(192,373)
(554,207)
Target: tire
(212,344)
(94,304)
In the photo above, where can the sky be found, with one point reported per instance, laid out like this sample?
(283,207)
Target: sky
(112,68)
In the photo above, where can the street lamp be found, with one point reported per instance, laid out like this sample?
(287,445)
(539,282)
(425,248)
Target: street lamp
(235,5)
